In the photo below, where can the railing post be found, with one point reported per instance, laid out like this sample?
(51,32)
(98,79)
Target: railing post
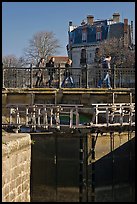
(27,115)
(45,118)
(59,71)
(11,116)
(121,115)
(58,118)
(39,114)
(51,117)
(114,74)
(96,114)
(107,116)
(87,77)
(130,98)
(77,117)
(31,77)
(34,117)
(71,118)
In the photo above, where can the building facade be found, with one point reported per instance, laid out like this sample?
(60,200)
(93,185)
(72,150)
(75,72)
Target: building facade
(84,40)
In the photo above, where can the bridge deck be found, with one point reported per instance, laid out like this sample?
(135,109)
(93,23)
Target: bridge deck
(69,90)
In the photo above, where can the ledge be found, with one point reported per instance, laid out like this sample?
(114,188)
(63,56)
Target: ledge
(12,142)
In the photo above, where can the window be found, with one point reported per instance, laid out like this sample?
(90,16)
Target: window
(83,56)
(84,35)
(98,36)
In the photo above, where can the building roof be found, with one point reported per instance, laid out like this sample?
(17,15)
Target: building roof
(116,30)
(59,59)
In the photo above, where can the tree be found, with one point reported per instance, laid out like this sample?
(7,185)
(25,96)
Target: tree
(121,55)
(42,44)
(10,61)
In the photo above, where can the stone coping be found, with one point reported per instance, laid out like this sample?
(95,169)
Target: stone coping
(12,142)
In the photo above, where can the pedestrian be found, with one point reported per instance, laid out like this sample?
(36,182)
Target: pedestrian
(68,73)
(51,70)
(107,71)
(39,74)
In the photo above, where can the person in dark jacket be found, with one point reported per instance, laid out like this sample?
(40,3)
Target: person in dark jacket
(39,74)
(68,73)
(51,70)
(106,70)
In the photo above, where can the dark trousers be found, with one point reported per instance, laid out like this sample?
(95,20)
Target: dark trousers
(39,81)
(50,79)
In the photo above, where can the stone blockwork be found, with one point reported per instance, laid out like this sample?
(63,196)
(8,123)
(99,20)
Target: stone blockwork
(16,161)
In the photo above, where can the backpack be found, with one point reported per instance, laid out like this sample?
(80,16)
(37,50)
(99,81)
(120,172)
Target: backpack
(105,64)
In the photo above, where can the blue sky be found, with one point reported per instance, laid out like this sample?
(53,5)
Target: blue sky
(21,20)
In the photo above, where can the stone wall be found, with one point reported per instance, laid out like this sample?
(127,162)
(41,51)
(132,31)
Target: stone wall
(16,160)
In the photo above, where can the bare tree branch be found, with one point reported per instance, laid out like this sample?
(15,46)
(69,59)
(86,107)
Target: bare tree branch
(42,44)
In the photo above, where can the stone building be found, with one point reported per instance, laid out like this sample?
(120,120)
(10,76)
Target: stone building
(84,40)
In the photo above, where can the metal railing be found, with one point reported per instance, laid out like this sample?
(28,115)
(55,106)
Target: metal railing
(86,77)
(51,116)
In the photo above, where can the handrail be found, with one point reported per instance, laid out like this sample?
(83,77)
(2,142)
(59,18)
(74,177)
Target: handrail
(24,77)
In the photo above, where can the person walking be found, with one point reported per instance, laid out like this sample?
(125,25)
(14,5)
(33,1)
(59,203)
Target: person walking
(51,70)
(68,73)
(106,70)
(39,74)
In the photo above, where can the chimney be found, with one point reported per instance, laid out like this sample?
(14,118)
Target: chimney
(116,17)
(125,25)
(126,33)
(70,23)
(90,19)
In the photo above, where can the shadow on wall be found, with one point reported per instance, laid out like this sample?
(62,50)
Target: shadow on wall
(115,175)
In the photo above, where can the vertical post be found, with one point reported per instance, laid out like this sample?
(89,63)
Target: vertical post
(57,118)
(71,118)
(96,114)
(17,115)
(31,76)
(59,71)
(77,117)
(27,113)
(113,97)
(121,115)
(131,114)
(11,115)
(17,119)
(39,117)
(107,116)
(34,118)
(114,75)
(51,117)
(130,98)
(45,118)
(87,86)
